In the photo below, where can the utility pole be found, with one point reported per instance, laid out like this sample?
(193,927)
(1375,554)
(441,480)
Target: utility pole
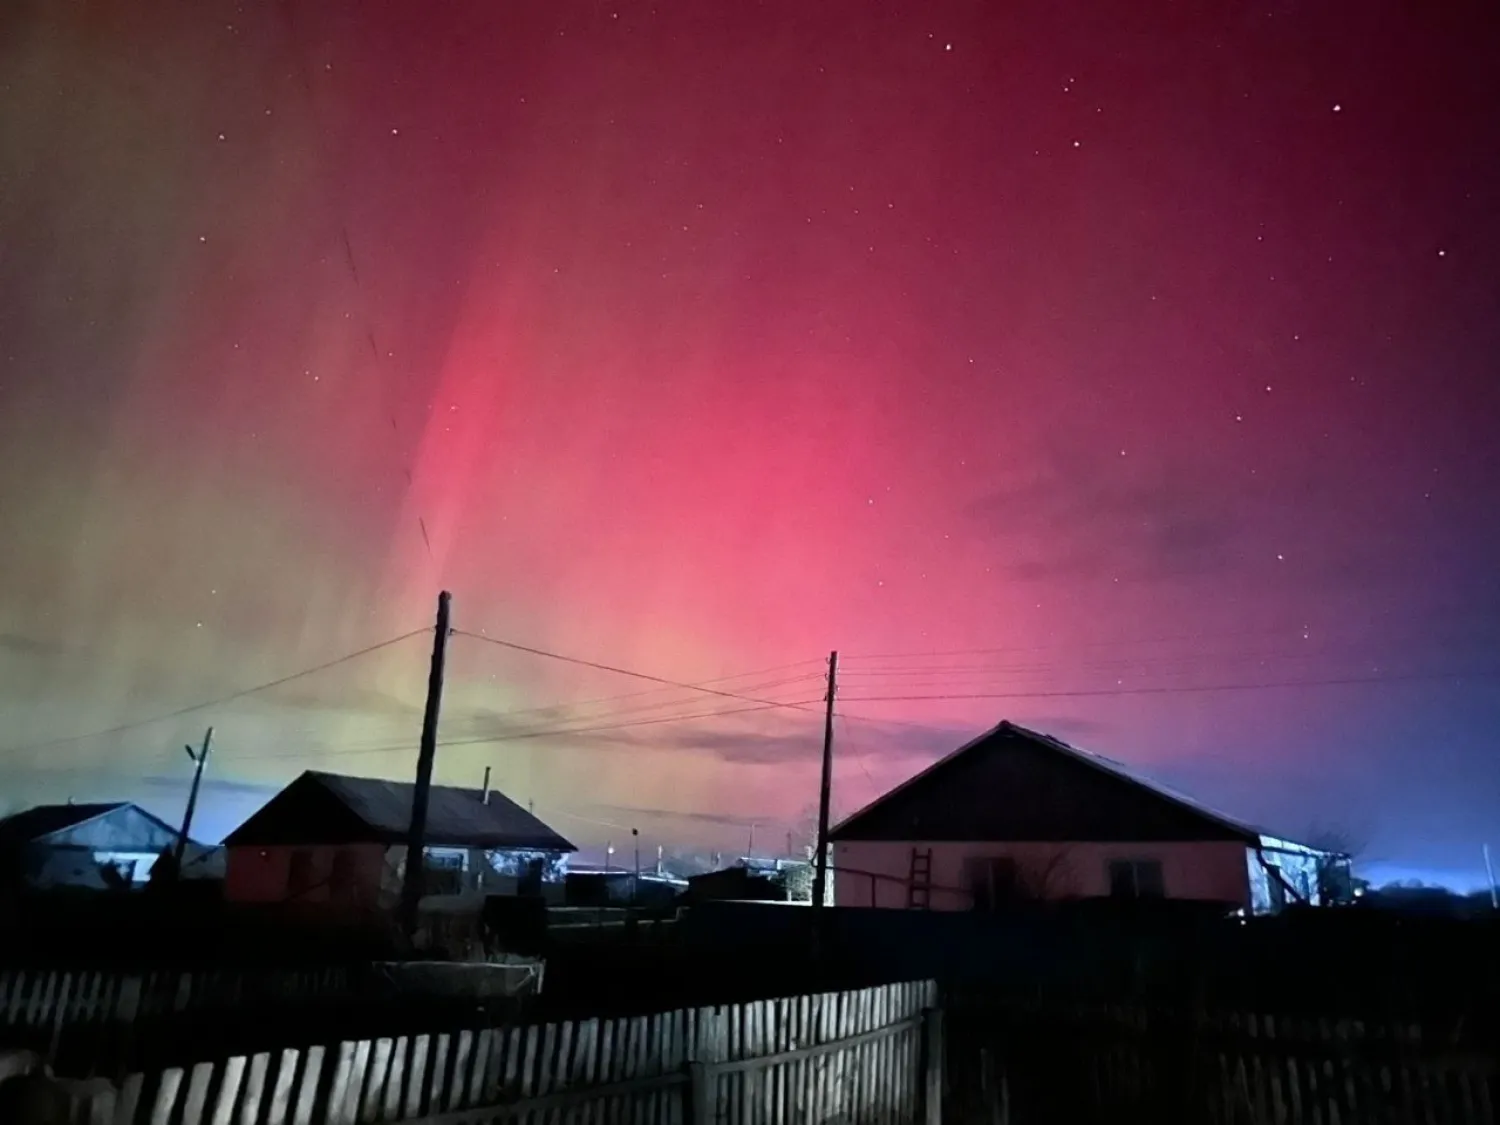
(200,759)
(416,840)
(825,788)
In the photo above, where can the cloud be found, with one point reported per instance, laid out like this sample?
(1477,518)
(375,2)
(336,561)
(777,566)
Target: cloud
(16,644)
(221,786)
(1094,516)
(721,820)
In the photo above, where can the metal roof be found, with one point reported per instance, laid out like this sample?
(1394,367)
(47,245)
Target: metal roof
(456,816)
(43,820)
(1097,761)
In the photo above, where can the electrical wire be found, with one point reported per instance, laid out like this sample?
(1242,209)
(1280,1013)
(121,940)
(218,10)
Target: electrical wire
(515,647)
(518,736)
(619,712)
(1450,634)
(657,691)
(1176,689)
(216,702)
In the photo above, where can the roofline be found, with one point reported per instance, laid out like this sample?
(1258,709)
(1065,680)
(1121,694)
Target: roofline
(913,779)
(1248,833)
(397,838)
(114,807)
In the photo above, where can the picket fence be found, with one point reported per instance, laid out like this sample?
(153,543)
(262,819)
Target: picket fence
(1106,1063)
(46,999)
(50,997)
(866,1055)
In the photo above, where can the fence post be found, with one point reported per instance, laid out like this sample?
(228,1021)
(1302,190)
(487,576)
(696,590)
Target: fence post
(932,1067)
(701,1108)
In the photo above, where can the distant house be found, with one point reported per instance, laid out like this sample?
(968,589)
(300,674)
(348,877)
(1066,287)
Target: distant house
(337,841)
(736,884)
(1015,814)
(95,846)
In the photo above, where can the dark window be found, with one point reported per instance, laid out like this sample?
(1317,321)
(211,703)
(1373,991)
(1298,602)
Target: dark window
(343,878)
(1136,878)
(992,881)
(443,872)
(299,873)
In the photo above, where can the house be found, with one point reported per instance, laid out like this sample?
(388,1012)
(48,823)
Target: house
(1015,814)
(92,846)
(334,841)
(736,884)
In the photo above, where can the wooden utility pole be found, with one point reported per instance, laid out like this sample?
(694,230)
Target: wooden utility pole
(416,840)
(825,788)
(200,759)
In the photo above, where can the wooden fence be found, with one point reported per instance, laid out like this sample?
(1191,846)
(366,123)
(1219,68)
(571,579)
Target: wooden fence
(45,998)
(859,1056)
(1013,1065)
(48,998)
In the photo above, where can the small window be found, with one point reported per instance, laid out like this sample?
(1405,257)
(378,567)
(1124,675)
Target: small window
(443,871)
(299,873)
(1136,878)
(992,881)
(343,877)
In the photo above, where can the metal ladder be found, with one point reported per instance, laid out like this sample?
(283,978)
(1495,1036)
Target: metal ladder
(919,881)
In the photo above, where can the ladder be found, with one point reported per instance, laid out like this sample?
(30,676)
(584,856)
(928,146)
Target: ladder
(919,881)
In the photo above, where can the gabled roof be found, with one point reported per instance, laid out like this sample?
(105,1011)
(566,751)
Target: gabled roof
(330,808)
(934,794)
(34,825)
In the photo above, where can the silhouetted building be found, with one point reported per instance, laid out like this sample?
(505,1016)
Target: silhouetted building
(739,884)
(94,846)
(341,842)
(1016,815)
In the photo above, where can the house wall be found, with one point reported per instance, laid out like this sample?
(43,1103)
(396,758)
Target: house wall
(876,873)
(263,874)
(258,873)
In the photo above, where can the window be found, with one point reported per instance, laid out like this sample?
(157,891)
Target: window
(343,877)
(443,871)
(299,873)
(1135,878)
(992,881)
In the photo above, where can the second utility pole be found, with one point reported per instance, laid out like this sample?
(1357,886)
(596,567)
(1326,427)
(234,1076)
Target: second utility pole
(825,788)
(416,840)
(200,759)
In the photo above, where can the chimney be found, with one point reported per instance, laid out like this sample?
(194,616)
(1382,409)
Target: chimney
(485,795)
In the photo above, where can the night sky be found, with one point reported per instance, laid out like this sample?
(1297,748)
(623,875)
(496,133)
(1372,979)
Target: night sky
(1105,350)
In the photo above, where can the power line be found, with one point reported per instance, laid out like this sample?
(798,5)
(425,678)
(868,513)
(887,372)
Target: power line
(515,647)
(619,712)
(701,683)
(555,732)
(1170,690)
(218,702)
